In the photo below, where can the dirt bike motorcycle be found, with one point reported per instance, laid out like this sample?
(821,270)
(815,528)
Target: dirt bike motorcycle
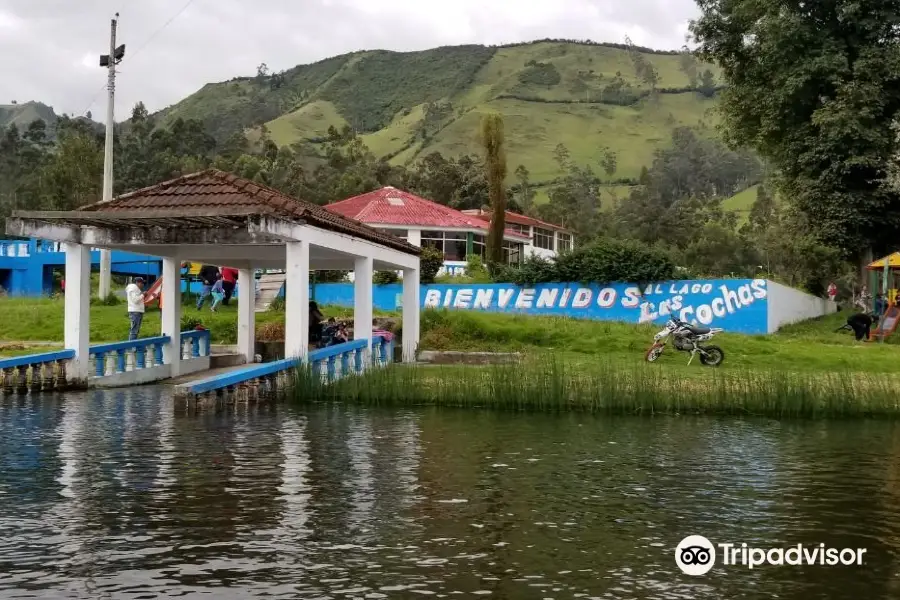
(687,338)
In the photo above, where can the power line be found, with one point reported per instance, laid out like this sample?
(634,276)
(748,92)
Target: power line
(141,47)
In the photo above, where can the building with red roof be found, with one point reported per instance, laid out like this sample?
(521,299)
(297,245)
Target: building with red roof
(546,239)
(424,223)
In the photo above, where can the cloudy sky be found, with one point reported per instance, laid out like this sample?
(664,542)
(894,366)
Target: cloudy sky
(51,47)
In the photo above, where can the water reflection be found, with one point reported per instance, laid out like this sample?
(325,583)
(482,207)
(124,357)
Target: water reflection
(110,494)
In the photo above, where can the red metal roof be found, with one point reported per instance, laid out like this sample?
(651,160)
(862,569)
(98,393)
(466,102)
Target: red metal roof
(391,206)
(514,217)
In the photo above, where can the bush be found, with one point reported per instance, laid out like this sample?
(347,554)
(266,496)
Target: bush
(270,332)
(430,262)
(277,305)
(330,276)
(605,261)
(385,277)
(189,323)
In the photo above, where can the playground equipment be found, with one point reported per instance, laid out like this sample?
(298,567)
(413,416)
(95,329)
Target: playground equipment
(888,267)
(154,293)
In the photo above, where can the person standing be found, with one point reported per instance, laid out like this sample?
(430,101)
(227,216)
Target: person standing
(832,291)
(134,295)
(218,293)
(208,276)
(229,279)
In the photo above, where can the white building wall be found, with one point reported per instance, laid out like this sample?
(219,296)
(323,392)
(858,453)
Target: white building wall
(787,305)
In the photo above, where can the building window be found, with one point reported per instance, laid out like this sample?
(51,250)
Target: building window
(512,253)
(450,243)
(523,229)
(564,241)
(478,246)
(454,246)
(543,238)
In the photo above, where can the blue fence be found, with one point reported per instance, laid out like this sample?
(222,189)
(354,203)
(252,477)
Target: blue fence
(330,363)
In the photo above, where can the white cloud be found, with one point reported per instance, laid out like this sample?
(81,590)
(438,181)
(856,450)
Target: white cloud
(214,40)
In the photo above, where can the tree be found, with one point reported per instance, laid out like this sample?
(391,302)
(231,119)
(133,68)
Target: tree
(829,73)
(495,172)
(562,157)
(609,161)
(430,262)
(262,71)
(688,65)
(525,194)
(707,83)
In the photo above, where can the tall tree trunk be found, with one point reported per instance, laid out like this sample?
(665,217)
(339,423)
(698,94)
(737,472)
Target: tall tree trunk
(495,173)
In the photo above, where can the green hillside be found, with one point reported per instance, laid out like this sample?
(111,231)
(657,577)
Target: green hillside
(408,104)
(21,115)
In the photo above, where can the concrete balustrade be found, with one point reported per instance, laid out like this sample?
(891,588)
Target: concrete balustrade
(35,372)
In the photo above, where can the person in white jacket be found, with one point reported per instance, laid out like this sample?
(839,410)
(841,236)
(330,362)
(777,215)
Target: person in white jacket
(134,293)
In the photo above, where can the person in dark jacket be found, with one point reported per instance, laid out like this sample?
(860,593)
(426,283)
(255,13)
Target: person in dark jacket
(208,276)
(861,324)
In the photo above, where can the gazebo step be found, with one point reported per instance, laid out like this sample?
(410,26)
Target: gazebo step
(270,285)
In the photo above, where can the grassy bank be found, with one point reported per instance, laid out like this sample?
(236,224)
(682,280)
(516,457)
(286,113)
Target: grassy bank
(812,346)
(41,319)
(609,388)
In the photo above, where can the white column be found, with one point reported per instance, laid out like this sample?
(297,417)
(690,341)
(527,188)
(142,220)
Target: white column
(105,273)
(362,304)
(171,313)
(78,311)
(414,237)
(410,314)
(246,314)
(296,300)
(556,242)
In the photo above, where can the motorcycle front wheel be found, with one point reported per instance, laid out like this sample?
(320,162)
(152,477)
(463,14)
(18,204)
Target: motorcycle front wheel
(654,352)
(712,356)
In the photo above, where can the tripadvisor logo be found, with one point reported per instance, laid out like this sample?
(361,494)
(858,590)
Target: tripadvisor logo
(696,555)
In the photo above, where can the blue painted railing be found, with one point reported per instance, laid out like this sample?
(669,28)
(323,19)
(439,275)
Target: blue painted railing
(330,363)
(44,371)
(145,353)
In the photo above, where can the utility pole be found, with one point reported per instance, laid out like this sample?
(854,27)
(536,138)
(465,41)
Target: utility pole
(109,61)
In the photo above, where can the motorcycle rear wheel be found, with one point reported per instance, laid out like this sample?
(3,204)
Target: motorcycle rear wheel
(712,356)
(654,352)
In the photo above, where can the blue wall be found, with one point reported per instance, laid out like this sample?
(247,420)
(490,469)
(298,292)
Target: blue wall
(737,305)
(33,275)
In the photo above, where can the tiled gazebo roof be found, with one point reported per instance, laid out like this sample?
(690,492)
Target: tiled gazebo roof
(210,198)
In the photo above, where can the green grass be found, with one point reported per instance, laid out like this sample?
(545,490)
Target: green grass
(41,320)
(310,121)
(608,195)
(383,94)
(556,385)
(808,347)
(533,129)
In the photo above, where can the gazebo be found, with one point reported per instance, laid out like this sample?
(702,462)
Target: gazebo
(218,218)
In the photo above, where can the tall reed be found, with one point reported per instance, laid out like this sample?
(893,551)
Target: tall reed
(611,388)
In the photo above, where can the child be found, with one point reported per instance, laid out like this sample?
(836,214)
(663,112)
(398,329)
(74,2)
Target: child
(218,292)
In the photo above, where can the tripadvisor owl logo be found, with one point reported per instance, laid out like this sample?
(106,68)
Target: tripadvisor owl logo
(695,555)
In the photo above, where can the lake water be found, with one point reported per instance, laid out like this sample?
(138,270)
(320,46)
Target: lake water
(112,495)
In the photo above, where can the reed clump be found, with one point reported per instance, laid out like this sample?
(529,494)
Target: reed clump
(611,388)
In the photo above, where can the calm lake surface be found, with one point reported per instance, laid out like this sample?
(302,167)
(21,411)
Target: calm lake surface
(112,495)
